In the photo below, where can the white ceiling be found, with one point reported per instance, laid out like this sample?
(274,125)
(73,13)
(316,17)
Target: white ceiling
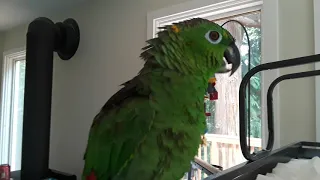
(16,12)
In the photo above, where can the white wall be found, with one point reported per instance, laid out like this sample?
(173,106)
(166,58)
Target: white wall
(297,97)
(15,38)
(112,34)
(1,48)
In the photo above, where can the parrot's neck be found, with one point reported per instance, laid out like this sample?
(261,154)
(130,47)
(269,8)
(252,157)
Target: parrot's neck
(161,54)
(171,78)
(171,87)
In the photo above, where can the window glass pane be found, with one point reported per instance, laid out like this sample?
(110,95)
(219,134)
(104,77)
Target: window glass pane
(17,121)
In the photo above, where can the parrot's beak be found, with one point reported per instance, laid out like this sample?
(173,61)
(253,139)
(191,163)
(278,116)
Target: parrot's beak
(232,56)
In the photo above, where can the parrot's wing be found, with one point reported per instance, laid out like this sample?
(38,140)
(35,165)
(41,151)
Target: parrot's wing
(117,131)
(129,90)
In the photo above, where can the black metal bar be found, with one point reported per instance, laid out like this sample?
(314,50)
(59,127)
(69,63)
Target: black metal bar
(189,173)
(274,84)
(43,38)
(242,95)
(250,170)
(201,168)
(37,99)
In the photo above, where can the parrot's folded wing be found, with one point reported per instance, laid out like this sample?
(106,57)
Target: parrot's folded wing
(117,132)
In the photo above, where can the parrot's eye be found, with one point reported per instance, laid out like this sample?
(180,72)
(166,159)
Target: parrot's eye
(213,37)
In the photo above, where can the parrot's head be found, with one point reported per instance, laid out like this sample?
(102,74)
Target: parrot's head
(201,46)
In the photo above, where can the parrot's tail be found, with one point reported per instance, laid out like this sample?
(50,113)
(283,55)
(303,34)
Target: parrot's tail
(92,176)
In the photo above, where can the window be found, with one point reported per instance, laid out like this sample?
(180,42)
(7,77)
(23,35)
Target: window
(260,20)
(12,97)
(223,146)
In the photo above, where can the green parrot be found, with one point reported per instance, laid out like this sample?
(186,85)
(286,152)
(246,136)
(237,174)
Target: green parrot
(151,128)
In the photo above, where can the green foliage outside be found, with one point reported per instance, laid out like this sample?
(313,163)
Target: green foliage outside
(255,83)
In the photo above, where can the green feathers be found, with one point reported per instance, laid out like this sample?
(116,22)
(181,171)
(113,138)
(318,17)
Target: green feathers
(186,47)
(151,128)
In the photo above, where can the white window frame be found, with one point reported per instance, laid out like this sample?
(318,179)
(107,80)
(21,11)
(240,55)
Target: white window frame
(215,9)
(7,147)
(316,6)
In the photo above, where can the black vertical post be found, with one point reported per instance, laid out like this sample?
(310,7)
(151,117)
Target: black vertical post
(37,99)
(43,38)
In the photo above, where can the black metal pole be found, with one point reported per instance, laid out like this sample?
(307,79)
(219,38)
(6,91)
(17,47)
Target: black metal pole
(242,96)
(37,101)
(274,84)
(43,38)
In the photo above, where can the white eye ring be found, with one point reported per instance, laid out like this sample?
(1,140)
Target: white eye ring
(213,40)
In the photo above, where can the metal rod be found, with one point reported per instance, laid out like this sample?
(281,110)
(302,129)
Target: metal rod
(37,99)
(242,96)
(274,84)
